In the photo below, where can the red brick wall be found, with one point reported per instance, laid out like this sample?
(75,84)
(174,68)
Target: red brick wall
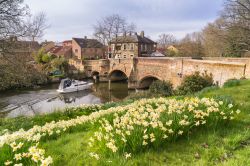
(92,53)
(75,47)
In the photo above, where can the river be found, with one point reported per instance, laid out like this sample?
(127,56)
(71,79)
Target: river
(46,99)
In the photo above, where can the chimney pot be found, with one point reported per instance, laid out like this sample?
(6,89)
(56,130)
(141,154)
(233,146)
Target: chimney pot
(142,33)
(85,37)
(135,33)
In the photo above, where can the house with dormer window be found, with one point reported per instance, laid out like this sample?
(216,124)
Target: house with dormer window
(131,45)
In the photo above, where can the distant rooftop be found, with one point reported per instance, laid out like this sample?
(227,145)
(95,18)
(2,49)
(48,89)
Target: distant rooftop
(132,38)
(88,43)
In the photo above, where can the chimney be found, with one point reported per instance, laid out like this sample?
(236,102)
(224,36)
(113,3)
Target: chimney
(13,38)
(124,34)
(142,34)
(130,33)
(85,37)
(135,33)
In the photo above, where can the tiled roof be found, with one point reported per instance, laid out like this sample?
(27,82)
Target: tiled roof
(88,43)
(64,50)
(55,49)
(132,39)
(67,41)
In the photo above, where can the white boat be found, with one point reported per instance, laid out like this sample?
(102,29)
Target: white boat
(67,86)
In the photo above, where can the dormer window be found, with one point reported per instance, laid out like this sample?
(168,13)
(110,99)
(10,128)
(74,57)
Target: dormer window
(125,46)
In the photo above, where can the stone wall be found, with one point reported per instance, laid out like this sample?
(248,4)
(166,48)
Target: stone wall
(172,69)
(221,70)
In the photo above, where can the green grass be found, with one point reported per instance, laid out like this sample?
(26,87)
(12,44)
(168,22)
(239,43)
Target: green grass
(14,124)
(226,144)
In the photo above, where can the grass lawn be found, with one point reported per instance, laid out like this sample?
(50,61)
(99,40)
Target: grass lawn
(226,144)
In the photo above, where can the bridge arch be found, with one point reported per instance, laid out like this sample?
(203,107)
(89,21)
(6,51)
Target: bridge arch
(117,75)
(146,81)
(95,73)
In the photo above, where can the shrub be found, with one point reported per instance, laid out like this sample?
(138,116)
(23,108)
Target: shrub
(46,58)
(194,83)
(164,88)
(231,83)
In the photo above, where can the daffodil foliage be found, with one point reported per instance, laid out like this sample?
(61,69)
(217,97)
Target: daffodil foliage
(126,130)
(150,123)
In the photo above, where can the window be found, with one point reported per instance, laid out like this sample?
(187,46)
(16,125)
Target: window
(131,56)
(145,47)
(118,47)
(117,56)
(125,46)
(141,47)
(76,50)
(131,46)
(124,56)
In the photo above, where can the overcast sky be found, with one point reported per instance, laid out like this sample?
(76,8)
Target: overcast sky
(75,18)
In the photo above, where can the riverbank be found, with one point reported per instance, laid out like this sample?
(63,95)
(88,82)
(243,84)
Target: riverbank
(46,99)
(213,144)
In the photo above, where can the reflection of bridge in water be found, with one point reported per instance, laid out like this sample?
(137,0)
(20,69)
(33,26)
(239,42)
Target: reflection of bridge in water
(119,91)
(141,72)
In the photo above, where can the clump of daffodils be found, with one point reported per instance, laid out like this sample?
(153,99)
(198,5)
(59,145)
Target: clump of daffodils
(34,155)
(134,127)
(151,122)
(35,134)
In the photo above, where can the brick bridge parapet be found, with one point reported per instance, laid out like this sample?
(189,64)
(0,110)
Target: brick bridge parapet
(141,71)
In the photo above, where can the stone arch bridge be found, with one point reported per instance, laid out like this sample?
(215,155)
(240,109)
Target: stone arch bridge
(141,72)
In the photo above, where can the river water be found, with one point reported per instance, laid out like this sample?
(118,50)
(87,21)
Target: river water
(47,99)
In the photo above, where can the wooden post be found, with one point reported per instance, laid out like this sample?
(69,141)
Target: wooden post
(109,85)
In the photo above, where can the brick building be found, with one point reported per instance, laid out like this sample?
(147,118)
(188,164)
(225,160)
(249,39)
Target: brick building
(88,49)
(131,45)
(85,49)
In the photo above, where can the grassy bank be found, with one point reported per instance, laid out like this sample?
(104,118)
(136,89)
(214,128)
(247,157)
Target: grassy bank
(223,144)
(14,124)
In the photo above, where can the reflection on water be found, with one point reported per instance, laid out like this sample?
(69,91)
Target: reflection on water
(119,90)
(47,100)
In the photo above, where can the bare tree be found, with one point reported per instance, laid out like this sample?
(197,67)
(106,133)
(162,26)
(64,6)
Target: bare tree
(110,26)
(12,13)
(236,14)
(166,40)
(192,45)
(36,25)
(215,38)
(13,24)
(16,22)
